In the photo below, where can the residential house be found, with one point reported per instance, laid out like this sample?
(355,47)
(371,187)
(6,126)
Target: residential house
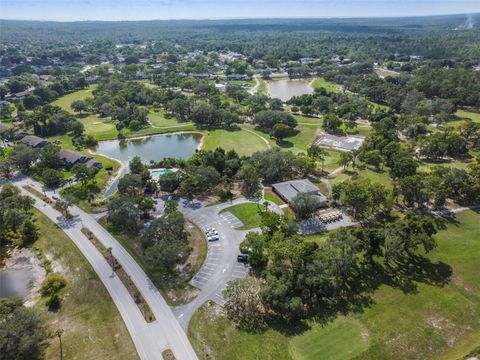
(70,157)
(34,141)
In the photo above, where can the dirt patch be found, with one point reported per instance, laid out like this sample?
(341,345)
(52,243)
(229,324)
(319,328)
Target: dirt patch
(26,259)
(56,266)
(448,330)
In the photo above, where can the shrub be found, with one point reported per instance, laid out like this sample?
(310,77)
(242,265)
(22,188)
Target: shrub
(53,284)
(53,302)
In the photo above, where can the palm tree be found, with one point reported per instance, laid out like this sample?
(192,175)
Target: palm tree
(318,154)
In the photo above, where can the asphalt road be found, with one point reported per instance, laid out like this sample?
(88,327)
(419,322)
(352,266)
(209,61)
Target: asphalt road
(150,339)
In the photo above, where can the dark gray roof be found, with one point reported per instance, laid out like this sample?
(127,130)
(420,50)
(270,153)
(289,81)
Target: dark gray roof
(289,189)
(33,141)
(72,157)
(93,162)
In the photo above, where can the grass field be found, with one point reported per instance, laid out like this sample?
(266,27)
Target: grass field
(93,328)
(273,198)
(433,323)
(300,142)
(247,213)
(307,133)
(327,85)
(213,336)
(381,177)
(468,115)
(262,88)
(65,101)
(250,82)
(157,118)
(243,142)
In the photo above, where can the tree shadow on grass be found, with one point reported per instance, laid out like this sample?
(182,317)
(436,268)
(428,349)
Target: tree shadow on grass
(284,144)
(82,115)
(288,327)
(371,277)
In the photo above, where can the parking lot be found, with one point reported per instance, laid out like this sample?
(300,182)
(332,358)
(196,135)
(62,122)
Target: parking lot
(231,219)
(221,264)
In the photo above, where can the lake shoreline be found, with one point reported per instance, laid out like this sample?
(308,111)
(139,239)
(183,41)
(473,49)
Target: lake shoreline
(109,188)
(288,91)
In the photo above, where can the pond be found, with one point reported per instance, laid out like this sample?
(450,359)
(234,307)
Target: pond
(285,89)
(156,148)
(16,282)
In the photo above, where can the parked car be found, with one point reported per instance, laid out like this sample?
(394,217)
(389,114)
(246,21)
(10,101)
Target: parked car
(213,238)
(211,231)
(245,250)
(243,258)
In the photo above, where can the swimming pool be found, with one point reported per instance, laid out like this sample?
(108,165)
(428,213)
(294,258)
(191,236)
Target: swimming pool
(156,173)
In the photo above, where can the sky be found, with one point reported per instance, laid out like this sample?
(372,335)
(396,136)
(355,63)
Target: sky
(74,10)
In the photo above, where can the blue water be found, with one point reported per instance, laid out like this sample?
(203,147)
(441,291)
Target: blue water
(159,172)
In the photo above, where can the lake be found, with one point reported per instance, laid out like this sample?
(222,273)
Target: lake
(156,148)
(285,89)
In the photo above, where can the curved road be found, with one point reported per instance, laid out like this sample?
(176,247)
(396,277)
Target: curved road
(150,339)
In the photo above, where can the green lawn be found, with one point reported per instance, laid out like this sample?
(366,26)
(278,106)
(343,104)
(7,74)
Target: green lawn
(468,115)
(331,161)
(327,85)
(300,142)
(99,128)
(457,163)
(213,336)
(251,82)
(247,213)
(243,142)
(308,131)
(433,323)
(93,328)
(262,88)
(273,198)
(308,120)
(340,340)
(381,177)
(157,118)
(104,128)
(65,101)
(318,238)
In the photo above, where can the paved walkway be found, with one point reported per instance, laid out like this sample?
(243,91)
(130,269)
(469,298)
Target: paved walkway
(259,136)
(150,339)
(254,89)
